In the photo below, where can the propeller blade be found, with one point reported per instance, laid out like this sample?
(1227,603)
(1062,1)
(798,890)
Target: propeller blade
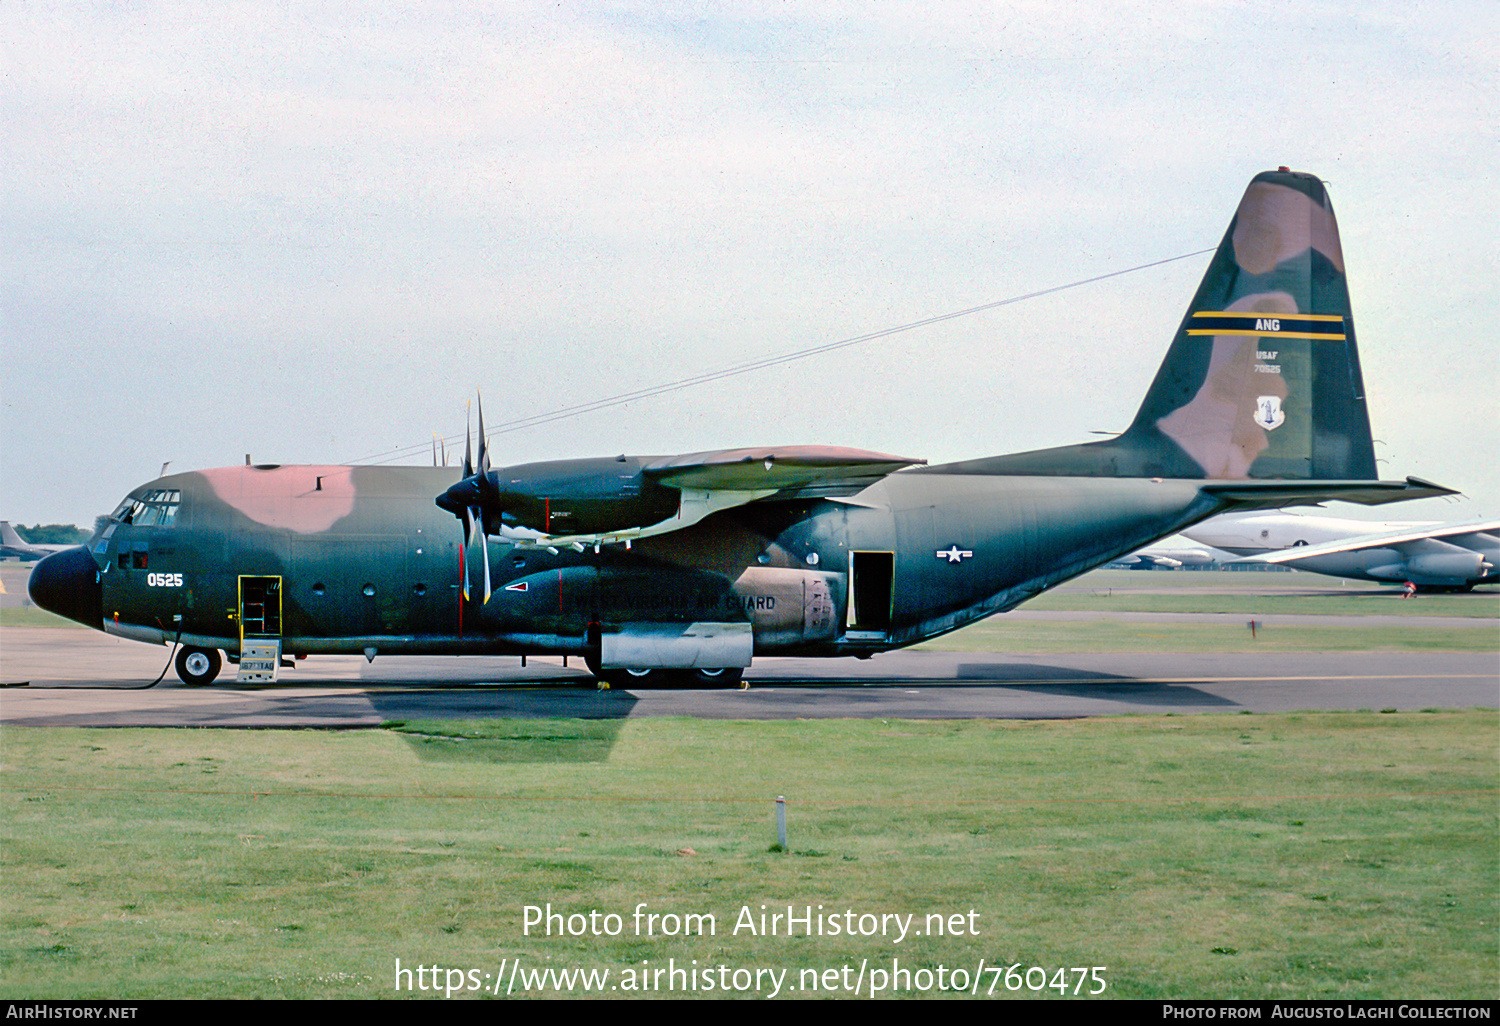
(484,540)
(477,521)
(484,451)
(463,565)
(468,463)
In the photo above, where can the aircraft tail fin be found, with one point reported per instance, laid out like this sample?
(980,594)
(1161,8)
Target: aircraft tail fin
(1262,381)
(8,535)
(1263,378)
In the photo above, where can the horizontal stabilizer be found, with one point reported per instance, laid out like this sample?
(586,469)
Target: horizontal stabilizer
(1247,495)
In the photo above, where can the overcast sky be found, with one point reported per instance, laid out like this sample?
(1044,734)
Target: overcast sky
(310,232)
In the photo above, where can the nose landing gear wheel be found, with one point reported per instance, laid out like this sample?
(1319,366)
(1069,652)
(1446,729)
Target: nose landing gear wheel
(198,665)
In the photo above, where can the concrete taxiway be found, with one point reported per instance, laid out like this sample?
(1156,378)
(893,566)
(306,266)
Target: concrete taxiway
(79,678)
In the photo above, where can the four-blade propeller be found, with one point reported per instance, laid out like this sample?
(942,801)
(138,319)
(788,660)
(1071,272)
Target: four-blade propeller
(466,500)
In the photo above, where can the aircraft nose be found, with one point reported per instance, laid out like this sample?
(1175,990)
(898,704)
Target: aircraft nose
(67,583)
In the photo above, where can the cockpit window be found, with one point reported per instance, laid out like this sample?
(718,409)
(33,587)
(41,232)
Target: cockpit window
(156,508)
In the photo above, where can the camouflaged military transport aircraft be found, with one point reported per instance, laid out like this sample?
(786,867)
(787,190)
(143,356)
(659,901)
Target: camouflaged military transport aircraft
(681,569)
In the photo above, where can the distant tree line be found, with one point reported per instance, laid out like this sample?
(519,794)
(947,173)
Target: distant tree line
(57,534)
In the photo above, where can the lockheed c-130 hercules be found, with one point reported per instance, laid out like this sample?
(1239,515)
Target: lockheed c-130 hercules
(682,569)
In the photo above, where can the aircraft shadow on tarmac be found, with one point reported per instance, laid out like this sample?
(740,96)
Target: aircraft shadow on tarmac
(1073,683)
(578,698)
(565,719)
(1030,678)
(547,700)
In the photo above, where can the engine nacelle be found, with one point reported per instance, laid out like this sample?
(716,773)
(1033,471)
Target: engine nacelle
(1460,565)
(565,497)
(790,607)
(569,497)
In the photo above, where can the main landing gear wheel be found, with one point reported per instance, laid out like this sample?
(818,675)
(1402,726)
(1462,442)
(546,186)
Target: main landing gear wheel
(198,665)
(725,677)
(623,677)
(642,679)
(619,677)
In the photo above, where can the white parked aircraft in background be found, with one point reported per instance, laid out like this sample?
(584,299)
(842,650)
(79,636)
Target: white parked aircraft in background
(1432,555)
(1165,559)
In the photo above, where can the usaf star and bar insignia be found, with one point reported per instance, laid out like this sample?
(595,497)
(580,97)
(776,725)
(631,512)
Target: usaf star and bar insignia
(954,554)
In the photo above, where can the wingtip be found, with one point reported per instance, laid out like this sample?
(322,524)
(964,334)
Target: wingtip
(1432,489)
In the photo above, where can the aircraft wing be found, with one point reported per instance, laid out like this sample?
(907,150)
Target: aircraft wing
(626,498)
(794,471)
(1478,535)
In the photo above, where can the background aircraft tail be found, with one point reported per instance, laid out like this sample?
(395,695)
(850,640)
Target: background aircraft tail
(1262,381)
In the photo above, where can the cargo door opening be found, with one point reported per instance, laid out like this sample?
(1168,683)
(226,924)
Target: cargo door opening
(871,579)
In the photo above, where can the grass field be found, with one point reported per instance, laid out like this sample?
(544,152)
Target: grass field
(31,616)
(1318,855)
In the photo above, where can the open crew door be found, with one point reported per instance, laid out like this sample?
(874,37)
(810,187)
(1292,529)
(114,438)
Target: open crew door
(260,629)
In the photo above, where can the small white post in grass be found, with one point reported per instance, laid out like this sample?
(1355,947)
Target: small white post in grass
(781,822)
